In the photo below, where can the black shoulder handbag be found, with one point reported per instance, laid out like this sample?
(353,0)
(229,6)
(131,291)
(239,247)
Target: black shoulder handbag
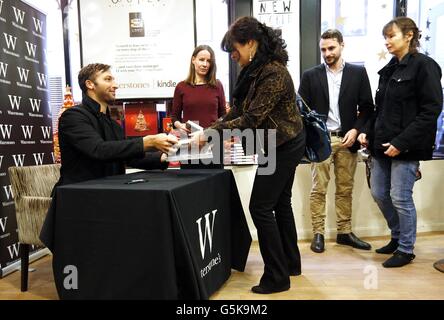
(318,142)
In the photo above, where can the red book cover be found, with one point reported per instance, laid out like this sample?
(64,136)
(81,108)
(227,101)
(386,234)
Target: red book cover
(140,119)
(167,125)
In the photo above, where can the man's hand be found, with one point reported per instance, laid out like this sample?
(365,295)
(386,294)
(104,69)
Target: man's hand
(362,138)
(391,150)
(349,138)
(161,142)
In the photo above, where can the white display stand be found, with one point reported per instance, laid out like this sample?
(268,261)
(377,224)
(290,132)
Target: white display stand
(367,220)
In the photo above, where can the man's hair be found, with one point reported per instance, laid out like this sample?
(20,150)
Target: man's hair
(333,34)
(90,72)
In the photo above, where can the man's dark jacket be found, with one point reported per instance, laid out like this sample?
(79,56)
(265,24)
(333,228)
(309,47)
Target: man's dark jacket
(92,146)
(355,96)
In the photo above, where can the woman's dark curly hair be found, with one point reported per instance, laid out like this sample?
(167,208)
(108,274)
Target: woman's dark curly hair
(270,44)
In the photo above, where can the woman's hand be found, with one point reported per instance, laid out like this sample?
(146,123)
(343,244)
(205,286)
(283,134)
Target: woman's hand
(198,138)
(391,150)
(182,126)
(362,138)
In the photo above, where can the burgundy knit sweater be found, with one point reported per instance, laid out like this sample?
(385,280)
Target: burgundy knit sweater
(199,103)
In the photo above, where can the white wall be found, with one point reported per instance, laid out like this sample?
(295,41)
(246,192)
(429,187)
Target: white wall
(366,219)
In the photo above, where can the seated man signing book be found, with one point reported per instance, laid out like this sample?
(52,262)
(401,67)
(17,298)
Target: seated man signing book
(93,145)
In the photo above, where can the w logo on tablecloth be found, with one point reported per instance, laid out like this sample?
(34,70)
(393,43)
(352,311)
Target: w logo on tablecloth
(207,233)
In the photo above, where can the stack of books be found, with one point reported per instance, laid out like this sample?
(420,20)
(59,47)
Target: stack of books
(236,156)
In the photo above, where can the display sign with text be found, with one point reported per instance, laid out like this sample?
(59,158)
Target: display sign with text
(148,43)
(283,16)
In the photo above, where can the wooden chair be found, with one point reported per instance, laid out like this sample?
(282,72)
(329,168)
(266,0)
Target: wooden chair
(31,186)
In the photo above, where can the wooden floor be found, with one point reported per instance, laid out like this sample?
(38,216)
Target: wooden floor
(339,273)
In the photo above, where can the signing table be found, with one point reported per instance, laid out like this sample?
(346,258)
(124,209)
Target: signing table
(167,235)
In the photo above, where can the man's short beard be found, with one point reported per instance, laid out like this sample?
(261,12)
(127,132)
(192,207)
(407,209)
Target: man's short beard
(110,101)
(335,60)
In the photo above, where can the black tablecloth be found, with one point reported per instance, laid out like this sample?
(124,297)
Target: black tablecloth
(114,240)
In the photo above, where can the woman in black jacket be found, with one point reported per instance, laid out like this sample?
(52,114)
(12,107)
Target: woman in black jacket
(264,100)
(408,102)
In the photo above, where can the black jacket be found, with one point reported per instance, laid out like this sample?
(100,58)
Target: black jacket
(355,96)
(408,102)
(91,148)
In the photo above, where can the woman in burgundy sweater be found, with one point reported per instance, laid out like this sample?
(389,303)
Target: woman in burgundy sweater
(200,97)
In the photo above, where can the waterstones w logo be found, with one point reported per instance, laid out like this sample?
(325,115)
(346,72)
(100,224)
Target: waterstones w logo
(35,104)
(19,15)
(43,79)
(27,132)
(208,232)
(1,9)
(3,70)
(6,130)
(38,25)
(24,74)
(19,159)
(38,158)
(46,131)
(3,224)
(15,101)
(8,192)
(11,41)
(31,48)
(13,250)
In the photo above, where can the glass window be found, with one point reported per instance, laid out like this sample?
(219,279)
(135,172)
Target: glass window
(361,23)
(429,16)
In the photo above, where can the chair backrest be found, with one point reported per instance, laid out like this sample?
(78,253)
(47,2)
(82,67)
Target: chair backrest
(31,187)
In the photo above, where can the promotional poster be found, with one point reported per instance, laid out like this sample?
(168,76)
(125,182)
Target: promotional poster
(135,38)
